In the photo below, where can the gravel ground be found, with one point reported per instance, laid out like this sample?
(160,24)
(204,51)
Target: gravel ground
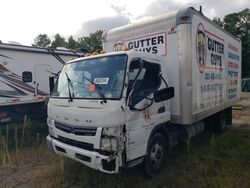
(241,114)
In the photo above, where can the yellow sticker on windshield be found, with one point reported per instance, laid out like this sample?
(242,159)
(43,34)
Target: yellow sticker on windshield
(91,87)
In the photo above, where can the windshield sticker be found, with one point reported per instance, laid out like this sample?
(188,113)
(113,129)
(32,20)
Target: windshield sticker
(101,81)
(92,87)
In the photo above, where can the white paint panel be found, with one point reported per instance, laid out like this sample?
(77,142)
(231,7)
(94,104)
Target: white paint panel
(42,74)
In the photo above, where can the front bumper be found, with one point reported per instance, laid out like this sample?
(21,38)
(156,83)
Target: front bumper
(92,159)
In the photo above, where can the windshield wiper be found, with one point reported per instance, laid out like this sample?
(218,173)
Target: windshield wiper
(99,89)
(71,96)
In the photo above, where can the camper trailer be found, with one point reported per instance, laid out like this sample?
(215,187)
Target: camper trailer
(24,79)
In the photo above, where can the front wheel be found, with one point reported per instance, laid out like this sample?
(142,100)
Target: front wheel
(156,154)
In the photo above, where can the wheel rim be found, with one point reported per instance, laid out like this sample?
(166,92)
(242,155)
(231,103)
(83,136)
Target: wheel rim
(156,154)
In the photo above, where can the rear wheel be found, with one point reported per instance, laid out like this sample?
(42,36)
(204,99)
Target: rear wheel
(156,154)
(217,122)
(220,125)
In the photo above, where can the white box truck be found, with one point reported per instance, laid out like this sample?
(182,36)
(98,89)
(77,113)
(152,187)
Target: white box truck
(122,108)
(24,79)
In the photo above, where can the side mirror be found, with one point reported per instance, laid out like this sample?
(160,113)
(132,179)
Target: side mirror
(164,94)
(51,83)
(27,76)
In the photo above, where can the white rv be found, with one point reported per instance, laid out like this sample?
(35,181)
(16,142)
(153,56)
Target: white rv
(122,108)
(24,78)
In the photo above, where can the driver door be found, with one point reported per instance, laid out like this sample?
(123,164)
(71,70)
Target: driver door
(143,114)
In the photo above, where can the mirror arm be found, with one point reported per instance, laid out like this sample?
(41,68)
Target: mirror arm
(163,79)
(137,75)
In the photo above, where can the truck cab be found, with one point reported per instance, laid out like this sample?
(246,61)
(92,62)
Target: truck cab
(106,111)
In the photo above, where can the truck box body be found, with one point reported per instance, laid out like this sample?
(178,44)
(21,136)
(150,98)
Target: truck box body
(203,61)
(16,60)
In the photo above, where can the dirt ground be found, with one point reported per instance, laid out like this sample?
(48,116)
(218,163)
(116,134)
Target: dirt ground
(241,114)
(33,166)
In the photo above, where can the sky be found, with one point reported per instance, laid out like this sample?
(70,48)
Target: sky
(23,20)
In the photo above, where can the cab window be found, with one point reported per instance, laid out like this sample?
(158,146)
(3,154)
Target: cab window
(146,83)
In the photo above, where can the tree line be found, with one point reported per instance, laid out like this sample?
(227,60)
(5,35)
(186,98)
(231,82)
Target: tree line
(90,43)
(238,24)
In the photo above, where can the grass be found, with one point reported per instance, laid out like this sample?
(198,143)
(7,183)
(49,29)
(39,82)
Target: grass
(224,163)
(205,161)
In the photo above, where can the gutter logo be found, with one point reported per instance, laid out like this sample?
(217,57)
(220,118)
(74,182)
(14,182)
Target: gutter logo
(201,47)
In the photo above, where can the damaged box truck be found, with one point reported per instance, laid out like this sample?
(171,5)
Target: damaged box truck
(119,109)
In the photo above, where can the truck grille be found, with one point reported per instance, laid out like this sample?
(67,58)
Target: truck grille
(82,145)
(82,131)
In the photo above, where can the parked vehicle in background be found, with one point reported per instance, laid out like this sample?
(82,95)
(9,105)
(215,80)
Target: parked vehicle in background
(24,79)
(122,108)
(245,88)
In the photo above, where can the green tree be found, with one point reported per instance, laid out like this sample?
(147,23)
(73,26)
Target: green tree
(93,42)
(238,24)
(72,43)
(58,41)
(42,41)
(218,21)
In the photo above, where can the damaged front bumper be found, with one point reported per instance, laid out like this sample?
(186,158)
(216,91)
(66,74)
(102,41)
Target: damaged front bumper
(92,159)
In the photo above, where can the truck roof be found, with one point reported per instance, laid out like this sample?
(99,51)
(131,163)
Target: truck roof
(183,16)
(131,54)
(15,47)
(186,16)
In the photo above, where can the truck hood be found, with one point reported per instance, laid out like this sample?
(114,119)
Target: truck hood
(90,113)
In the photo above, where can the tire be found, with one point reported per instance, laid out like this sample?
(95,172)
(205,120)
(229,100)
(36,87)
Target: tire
(221,123)
(217,123)
(156,154)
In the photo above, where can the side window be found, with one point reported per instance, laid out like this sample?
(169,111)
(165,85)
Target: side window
(147,82)
(27,76)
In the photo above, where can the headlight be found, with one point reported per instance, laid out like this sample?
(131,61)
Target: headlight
(109,144)
(110,131)
(50,121)
(51,131)
(109,139)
